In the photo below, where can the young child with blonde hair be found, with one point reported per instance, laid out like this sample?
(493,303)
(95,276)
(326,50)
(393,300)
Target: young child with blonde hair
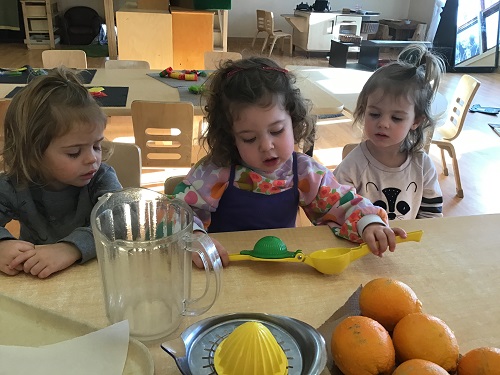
(52,175)
(390,167)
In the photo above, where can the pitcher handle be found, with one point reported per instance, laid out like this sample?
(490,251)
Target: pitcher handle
(213,271)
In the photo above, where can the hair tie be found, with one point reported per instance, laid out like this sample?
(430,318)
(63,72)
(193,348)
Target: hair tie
(236,70)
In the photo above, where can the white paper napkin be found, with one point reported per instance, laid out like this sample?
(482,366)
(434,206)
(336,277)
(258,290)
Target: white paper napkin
(101,352)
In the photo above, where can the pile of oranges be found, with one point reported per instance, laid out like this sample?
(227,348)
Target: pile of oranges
(392,329)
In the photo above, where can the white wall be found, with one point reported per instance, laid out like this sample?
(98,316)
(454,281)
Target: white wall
(242,17)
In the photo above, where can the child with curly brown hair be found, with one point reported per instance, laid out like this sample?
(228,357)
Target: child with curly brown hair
(253,179)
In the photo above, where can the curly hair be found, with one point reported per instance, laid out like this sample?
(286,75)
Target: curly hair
(48,107)
(239,84)
(416,76)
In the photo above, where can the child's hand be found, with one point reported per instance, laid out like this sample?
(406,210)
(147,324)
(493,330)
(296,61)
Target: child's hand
(9,250)
(224,256)
(378,237)
(44,260)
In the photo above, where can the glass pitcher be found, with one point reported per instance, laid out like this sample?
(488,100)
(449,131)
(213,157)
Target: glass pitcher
(144,242)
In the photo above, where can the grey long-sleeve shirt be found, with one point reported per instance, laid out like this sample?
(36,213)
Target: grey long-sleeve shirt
(48,217)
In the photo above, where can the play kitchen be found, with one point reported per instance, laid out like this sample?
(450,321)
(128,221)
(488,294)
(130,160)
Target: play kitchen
(314,26)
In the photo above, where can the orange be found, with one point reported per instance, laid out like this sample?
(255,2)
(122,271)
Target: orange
(361,346)
(480,361)
(387,301)
(419,367)
(424,336)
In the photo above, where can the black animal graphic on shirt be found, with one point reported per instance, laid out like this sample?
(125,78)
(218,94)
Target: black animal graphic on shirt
(392,206)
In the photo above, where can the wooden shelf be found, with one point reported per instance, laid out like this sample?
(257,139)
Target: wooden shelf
(35,12)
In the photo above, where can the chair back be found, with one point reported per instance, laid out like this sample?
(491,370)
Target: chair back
(269,23)
(261,20)
(213,59)
(4,104)
(458,107)
(419,33)
(171,183)
(348,148)
(52,58)
(126,161)
(164,132)
(382,33)
(126,64)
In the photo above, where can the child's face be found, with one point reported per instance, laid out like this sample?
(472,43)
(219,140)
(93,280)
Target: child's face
(73,158)
(388,119)
(264,136)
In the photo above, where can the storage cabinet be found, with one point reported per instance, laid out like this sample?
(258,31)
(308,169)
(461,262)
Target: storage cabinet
(40,23)
(313,31)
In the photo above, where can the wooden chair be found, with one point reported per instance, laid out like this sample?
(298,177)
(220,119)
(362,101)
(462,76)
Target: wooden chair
(457,111)
(126,161)
(126,64)
(261,28)
(164,132)
(4,104)
(171,183)
(273,35)
(419,33)
(382,33)
(212,59)
(53,58)
(348,148)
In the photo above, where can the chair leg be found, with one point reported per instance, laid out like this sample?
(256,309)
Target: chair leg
(458,182)
(255,37)
(291,46)
(443,160)
(272,46)
(265,44)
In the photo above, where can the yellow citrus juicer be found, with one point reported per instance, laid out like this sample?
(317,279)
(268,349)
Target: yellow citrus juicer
(251,349)
(329,261)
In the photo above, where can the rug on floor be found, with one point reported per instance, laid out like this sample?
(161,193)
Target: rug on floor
(92,50)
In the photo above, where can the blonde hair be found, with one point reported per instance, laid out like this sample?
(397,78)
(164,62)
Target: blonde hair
(48,107)
(416,76)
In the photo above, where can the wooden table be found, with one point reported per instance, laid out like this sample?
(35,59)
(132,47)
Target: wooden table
(401,29)
(453,270)
(346,84)
(370,50)
(143,87)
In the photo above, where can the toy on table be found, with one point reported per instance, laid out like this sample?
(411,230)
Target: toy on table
(487,110)
(97,92)
(10,73)
(331,261)
(185,75)
(196,89)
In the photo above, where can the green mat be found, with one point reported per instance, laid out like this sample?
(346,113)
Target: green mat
(92,50)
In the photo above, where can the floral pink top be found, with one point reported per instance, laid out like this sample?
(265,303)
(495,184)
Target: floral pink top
(322,198)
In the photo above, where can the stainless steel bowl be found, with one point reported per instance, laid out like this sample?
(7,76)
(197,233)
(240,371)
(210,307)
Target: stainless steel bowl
(194,350)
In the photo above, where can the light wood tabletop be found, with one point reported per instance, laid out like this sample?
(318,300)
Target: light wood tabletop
(453,270)
(143,87)
(346,84)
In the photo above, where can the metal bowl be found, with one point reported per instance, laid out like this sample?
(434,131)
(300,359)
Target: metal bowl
(194,350)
